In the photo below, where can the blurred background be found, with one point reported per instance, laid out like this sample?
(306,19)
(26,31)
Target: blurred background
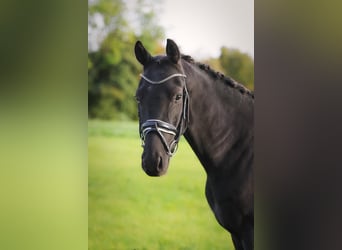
(225,43)
(127,208)
(46,136)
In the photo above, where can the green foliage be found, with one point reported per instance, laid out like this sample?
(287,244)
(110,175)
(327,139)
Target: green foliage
(130,210)
(113,70)
(238,65)
(111,11)
(113,78)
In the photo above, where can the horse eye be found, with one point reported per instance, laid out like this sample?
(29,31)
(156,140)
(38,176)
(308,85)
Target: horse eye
(178,97)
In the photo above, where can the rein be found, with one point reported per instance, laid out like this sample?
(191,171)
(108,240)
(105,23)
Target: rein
(161,127)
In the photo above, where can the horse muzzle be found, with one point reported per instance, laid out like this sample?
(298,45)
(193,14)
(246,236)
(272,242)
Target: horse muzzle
(155,160)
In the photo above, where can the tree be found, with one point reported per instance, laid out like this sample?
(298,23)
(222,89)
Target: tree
(113,72)
(238,65)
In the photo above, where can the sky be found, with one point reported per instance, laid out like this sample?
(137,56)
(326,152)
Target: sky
(202,27)
(199,27)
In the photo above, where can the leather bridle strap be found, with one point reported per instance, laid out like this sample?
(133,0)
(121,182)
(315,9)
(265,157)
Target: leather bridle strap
(164,80)
(161,127)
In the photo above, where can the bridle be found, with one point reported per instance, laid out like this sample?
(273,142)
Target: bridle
(160,127)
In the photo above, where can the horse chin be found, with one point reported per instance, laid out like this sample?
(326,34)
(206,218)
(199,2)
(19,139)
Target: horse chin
(155,173)
(155,167)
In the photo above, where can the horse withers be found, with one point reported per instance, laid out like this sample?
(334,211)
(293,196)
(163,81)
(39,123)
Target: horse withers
(177,96)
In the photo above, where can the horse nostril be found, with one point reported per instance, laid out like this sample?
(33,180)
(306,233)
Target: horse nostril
(160,164)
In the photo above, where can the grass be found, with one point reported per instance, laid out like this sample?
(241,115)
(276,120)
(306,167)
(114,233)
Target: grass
(130,210)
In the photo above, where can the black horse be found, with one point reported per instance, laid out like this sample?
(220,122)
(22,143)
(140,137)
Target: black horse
(177,96)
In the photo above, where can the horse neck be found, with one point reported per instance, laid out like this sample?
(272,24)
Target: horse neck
(221,119)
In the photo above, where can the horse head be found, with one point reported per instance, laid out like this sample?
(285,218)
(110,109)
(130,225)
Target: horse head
(162,99)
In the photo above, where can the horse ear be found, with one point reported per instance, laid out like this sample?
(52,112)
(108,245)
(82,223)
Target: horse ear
(141,53)
(172,51)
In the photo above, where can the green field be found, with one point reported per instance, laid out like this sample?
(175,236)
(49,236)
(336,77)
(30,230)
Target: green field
(130,210)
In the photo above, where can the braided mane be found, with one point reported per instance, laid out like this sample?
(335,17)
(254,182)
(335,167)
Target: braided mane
(217,75)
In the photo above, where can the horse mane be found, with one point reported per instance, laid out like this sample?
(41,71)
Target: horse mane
(217,75)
